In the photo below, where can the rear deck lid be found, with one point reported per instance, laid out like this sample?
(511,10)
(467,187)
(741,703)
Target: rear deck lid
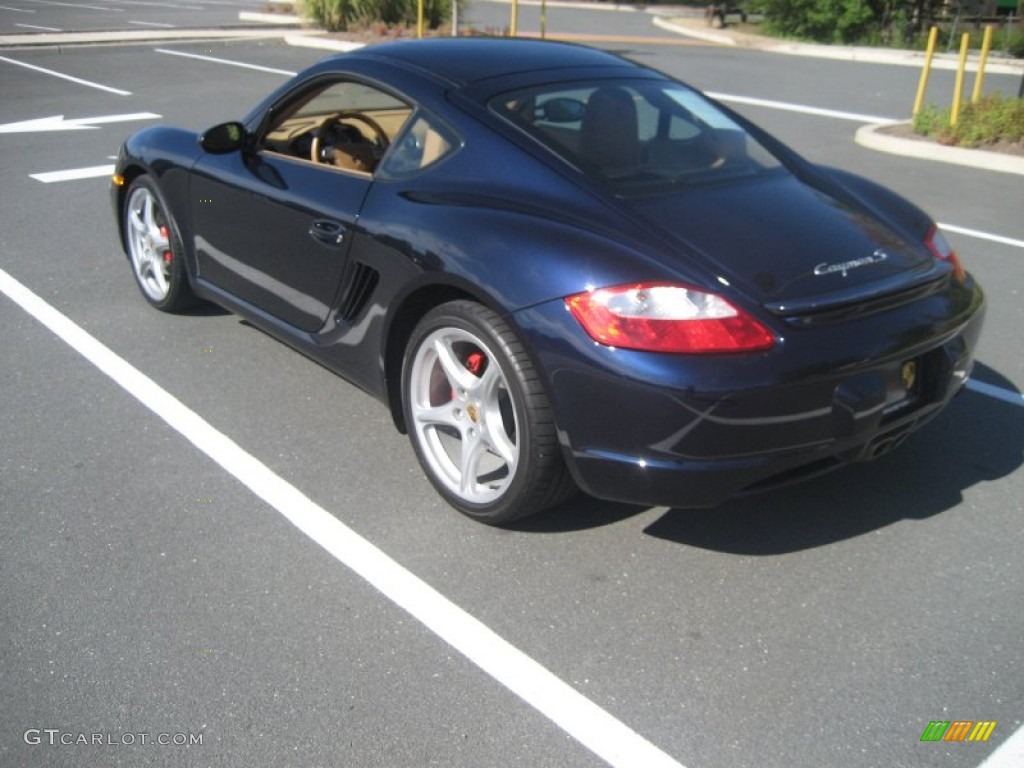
(788,246)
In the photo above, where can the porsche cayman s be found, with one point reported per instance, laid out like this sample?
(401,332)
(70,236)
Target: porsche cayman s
(559,269)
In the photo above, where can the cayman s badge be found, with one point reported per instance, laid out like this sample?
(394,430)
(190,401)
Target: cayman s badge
(845,266)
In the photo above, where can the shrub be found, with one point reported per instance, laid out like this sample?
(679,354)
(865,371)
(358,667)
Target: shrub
(898,23)
(332,15)
(836,21)
(340,15)
(994,118)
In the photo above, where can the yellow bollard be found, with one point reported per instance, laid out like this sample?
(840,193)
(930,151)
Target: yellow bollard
(986,45)
(419,19)
(922,85)
(513,28)
(543,19)
(958,89)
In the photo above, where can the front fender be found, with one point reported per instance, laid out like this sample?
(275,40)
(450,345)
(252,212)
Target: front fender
(166,154)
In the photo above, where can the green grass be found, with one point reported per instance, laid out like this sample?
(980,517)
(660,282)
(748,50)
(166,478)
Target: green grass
(994,118)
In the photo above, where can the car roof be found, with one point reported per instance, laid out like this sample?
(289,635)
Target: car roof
(466,60)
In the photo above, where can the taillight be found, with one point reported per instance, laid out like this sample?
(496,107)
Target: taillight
(660,317)
(943,251)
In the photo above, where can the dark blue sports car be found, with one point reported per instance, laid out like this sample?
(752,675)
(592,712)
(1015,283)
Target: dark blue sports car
(560,270)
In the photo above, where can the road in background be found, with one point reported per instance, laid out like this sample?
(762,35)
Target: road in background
(35,16)
(144,590)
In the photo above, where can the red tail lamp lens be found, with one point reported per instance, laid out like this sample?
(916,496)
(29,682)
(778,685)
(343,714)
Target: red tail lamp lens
(943,251)
(665,317)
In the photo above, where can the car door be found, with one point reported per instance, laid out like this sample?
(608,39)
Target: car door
(272,226)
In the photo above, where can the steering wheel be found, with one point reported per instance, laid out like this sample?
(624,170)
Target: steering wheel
(379,136)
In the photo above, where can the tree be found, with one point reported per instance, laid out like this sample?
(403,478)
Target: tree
(835,21)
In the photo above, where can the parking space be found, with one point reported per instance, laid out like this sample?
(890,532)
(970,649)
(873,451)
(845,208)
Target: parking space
(148,590)
(34,16)
(146,594)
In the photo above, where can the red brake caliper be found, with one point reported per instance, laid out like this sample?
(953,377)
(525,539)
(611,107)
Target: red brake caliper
(166,235)
(475,363)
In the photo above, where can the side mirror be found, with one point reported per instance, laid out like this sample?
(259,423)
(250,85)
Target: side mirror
(223,138)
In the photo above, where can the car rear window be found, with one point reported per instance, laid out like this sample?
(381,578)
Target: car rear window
(637,137)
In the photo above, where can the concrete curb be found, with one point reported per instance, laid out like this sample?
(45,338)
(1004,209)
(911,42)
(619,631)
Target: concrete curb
(949,61)
(870,137)
(697,34)
(279,19)
(314,40)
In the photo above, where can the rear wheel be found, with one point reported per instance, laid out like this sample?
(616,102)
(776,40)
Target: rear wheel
(154,248)
(478,418)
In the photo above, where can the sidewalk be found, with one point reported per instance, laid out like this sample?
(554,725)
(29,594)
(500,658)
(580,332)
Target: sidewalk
(699,29)
(871,136)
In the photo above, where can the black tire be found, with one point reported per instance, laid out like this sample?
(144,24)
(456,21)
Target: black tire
(478,417)
(154,248)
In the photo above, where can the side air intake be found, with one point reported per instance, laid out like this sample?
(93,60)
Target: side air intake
(360,281)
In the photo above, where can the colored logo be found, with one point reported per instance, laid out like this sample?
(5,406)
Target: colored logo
(958,730)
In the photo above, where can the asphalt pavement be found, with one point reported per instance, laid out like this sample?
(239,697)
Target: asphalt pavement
(148,589)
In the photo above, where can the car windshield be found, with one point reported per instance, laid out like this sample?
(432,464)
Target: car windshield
(638,136)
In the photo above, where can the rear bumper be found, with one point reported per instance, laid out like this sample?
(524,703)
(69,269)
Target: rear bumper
(693,431)
(708,483)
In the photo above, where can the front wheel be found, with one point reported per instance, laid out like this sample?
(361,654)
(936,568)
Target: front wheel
(154,248)
(478,418)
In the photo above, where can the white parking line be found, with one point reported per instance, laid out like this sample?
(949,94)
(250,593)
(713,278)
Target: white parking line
(35,26)
(596,729)
(18,10)
(60,123)
(1010,753)
(983,235)
(801,108)
(152,24)
(990,390)
(229,62)
(61,75)
(78,5)
(73,174)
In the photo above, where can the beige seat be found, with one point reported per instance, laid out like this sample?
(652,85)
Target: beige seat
(609,133)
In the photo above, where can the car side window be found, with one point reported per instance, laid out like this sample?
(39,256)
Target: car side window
(423,144)
(340,124)
(637,136)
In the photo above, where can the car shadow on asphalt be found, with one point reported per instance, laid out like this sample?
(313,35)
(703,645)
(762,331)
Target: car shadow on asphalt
(579,513)
(977,439)
(206,309)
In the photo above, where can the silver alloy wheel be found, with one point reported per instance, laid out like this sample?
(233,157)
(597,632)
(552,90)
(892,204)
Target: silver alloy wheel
(149,243)
(464,416)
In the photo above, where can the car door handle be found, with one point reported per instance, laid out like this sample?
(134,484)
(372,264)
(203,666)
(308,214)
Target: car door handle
(327,232)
